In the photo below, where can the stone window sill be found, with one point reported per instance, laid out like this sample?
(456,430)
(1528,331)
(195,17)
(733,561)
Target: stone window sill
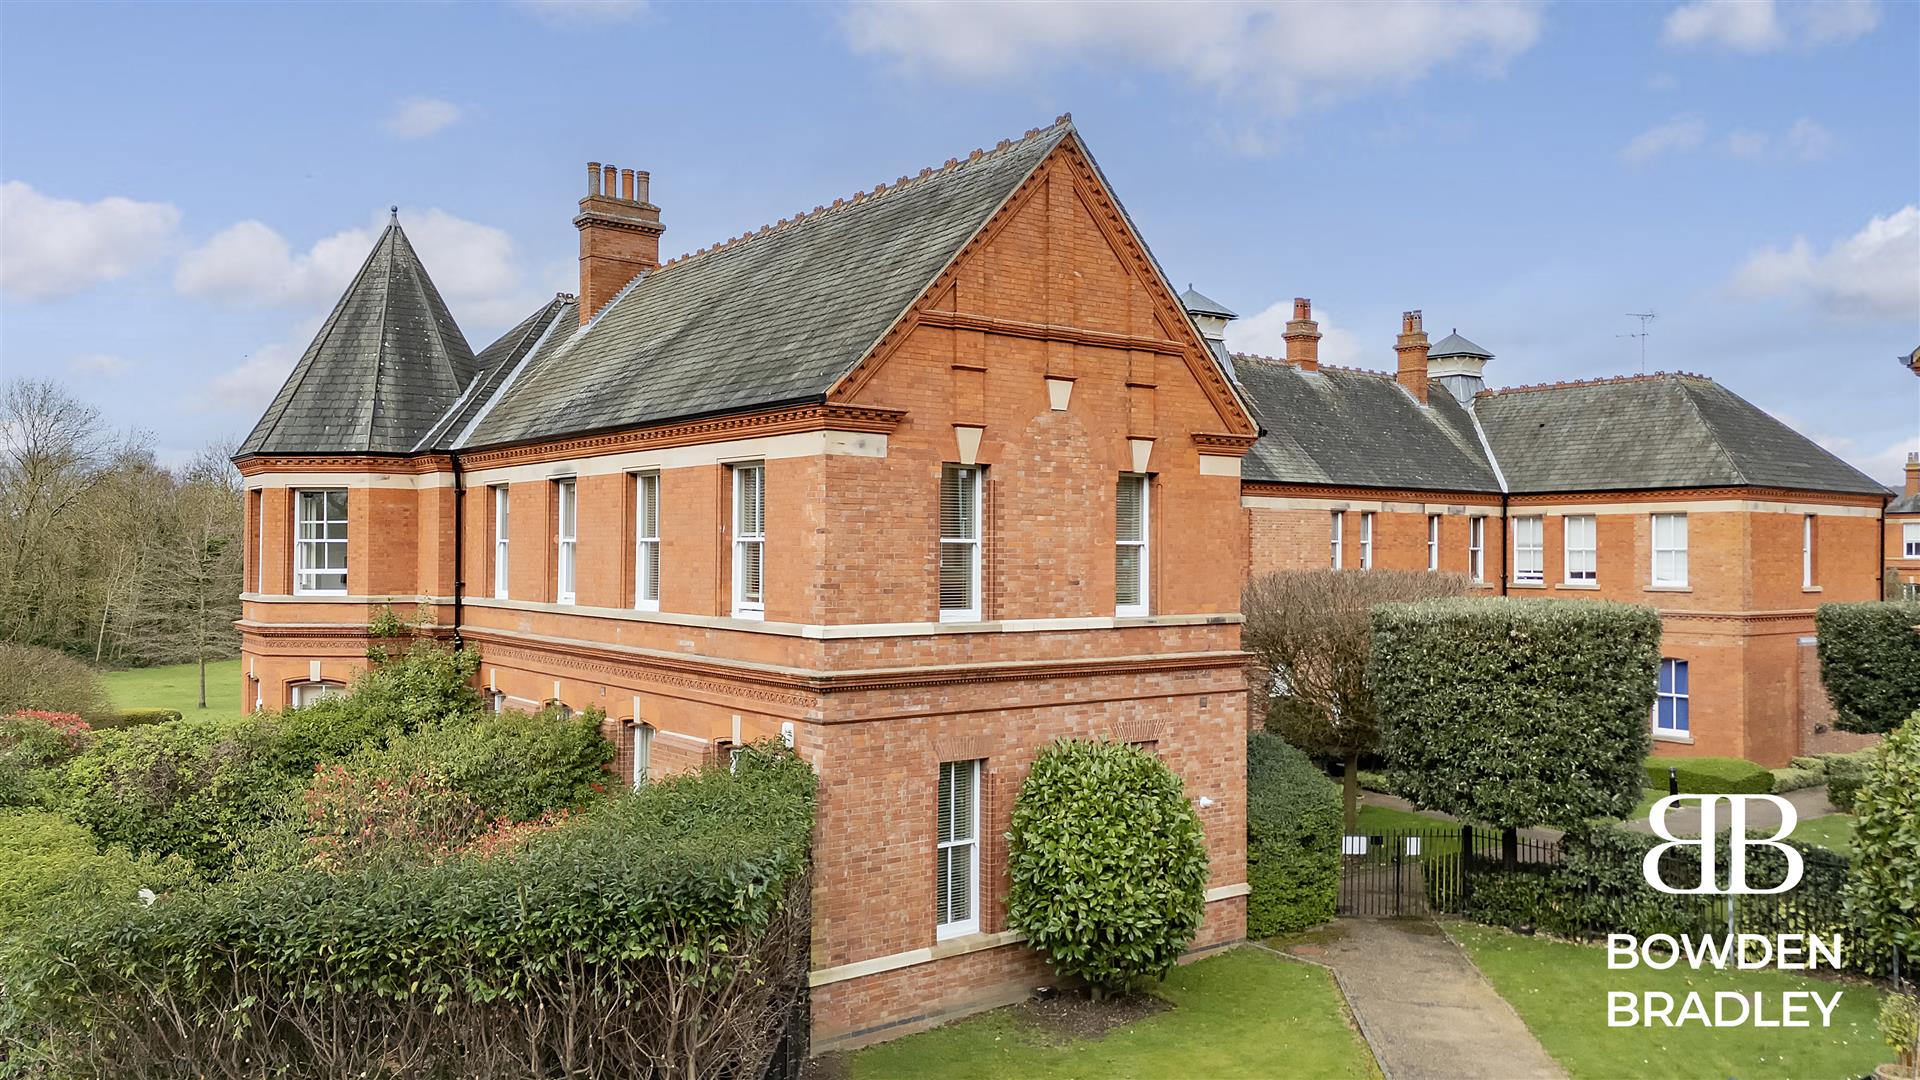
(1589,586)
(1526,585)
(1671,737)
(1670,588)
(1812,588)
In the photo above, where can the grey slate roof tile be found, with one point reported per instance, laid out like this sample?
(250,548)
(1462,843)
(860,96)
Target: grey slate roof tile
(385,366)
(772,319)
(1357,428)
(1652,432)
(1905,504)
(495,364)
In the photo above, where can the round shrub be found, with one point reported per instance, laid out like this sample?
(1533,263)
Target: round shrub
(1293,839)
(1107,863)
(36,678)
(1883,884)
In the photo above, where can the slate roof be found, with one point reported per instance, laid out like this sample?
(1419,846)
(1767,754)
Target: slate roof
(774,318)
(1905,504)
(498,363)
(1455,345)
(1361,429)
(1357,428)
(1651,432)
(1199,303)
(386,365)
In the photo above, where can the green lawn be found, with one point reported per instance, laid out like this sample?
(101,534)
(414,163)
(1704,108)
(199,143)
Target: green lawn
(1560,990)
(178,687)
(1376,819)
(1245,1013)
(1831,831)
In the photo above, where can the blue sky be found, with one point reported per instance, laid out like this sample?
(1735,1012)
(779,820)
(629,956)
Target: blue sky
(187,188)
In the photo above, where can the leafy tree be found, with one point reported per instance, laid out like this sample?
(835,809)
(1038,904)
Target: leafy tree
(1309,637)
(1870,663)
(1883,883)
(1107,863)
(1516,713)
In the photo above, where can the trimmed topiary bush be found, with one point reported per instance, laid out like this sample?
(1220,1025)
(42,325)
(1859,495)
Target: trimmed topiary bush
(1106,862)
(1711,775)
(1844,776)
(1870,663)
(137,717)
(1293,839)
(1883,884)
(1785,780)
(1516,713)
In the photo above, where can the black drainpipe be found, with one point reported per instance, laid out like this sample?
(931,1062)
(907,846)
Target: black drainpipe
(459,546)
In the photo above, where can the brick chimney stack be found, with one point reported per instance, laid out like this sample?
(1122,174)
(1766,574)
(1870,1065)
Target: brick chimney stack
(1303,336)
(1913,473)
(619,234)
(1412,347)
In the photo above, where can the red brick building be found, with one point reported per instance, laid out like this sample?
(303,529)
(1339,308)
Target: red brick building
(919,481)
(1903,535)
(1663,489)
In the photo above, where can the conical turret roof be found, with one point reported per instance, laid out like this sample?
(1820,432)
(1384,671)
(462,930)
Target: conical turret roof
(388,362)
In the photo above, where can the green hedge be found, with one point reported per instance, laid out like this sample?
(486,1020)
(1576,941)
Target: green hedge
(514,765)
(1870,662)
(1710,775)
(1516,713)
(1785,780)
(1883,889)
(1293,839)
(1845,775)
(666,925)
(30,748)
(49,865)
(137,717)
(1106,863)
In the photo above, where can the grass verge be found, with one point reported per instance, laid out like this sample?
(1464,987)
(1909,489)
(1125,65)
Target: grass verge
(177,686)
(1560,991)
(1244,1013)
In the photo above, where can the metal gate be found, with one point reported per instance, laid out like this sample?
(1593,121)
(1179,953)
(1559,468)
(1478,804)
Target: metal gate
(1399,872)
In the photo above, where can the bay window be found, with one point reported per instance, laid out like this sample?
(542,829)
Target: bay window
(320,542)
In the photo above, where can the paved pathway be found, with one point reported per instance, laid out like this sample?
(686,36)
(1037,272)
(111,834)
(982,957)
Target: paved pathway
(1423,1007)
(1762,818)
(1395,802)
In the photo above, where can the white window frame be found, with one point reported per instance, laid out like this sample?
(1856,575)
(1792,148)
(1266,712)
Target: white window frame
(1530,551)
(642,753)
(303,545)
(1477,549)
(646,542)
(1433,541)
(970,922)
(566,562)
(970,544)
(302,694)
(1144,544)
(1910,539)
(1339,535)
(1806,550)
(1582,560)
(1683,701)
(1653,543)
(502,530)
(499,700)
(744,608)
(1366,540)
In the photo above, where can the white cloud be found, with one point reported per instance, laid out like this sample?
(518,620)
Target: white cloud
(54,247)
(251,265)
(1875,273)
(99,365)
(420,118)
(1679,134)
(1263,333)
(1756,26)
(1281,55)
(584,11)
(248,386)
(1804,141)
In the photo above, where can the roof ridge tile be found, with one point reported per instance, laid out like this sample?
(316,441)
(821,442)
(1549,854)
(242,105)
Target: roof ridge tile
(1603,380)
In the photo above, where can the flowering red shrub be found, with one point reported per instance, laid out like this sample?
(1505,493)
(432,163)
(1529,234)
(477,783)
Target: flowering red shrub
(69,726)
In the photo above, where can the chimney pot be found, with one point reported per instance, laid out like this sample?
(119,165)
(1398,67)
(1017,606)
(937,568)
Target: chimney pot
(1303,336)
(619,235)
(1412,349)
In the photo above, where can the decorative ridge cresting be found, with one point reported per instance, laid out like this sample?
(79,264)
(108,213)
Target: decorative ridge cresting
(1605,380)
(1062,122)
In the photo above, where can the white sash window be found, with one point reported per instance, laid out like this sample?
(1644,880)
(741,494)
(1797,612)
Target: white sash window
(1131,563)
(957,850)
(749,540)
(959,543)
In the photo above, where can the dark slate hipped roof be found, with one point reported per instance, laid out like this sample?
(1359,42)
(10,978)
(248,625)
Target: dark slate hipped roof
(774,318)
(385,366)
(1905,504)
(1652,432)
(1357,428)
